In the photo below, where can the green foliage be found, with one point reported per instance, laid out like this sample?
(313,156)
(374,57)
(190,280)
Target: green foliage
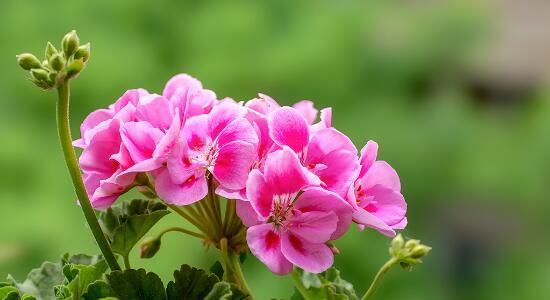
(136,285)
(327,285)
(8,292)
(126,224)
(80,271)
(190,283)
(40,282)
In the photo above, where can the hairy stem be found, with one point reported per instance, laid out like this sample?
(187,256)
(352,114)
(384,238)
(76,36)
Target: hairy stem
(378,278)
(127,262)
(64,132)
(232,268)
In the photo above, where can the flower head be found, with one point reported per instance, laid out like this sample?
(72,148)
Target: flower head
(292,218)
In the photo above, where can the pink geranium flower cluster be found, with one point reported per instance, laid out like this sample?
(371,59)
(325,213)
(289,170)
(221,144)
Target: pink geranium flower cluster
(299,181)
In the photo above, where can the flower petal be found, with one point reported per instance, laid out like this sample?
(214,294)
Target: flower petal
(381,173)
(287,127)
(156,110)
(316,199)
(284,173)
(363,217)
(248,214)
(306,108)
(222,115)
(265,243)
(314,226)
(190,191)
(232,164)
(238,130)
(368,156)
(314,258)
(259,193)
(386,204)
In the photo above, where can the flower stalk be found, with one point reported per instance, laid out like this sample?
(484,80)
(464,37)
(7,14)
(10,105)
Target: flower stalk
(64,132)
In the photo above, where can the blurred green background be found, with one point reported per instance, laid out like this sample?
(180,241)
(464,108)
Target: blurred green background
(455,92)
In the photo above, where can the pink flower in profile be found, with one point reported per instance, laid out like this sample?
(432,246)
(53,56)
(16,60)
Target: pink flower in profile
(222,142)
(292,219)
(326,152)
(376,194)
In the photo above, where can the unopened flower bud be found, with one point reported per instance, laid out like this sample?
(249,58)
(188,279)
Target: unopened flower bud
(420,251)
(40,75)
(50,50)
(74,68)
(70,43)
(396,245)
(57,62)
(83,52)
(408,253)
(28,61)
(150,247)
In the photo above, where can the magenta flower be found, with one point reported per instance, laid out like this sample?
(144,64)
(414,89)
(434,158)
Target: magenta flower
(376,194)
(326,152)
(222,142)
(292,218)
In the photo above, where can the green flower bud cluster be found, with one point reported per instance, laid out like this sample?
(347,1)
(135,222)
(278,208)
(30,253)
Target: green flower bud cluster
(408,253)
(58,65)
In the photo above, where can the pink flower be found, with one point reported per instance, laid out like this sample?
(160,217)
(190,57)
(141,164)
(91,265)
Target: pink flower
(102,161)
(222,142)
(291,219)
(326,152)
(185,91)
(376,194)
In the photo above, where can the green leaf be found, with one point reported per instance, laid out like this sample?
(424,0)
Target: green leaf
(41,281)
(85,276)
(225,291)
(7,292)
(217,269)
(126,224)
(190,283)
(136,285)
(99,290)
(327,285)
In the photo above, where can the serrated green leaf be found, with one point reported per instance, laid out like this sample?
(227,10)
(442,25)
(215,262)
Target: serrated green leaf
(99,290)
(190,283)
(126,224)
(41,281)
(136,285)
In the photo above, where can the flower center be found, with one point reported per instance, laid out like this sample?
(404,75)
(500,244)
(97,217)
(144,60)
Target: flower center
(283,206)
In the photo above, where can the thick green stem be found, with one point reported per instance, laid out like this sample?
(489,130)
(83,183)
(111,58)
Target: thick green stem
(64,132)
(232,268)
(378,278)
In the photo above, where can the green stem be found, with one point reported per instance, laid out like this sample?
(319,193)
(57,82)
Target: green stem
(300,286)
(127,262)
(64,132)
(232,268)
(182,230)
(378,278)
